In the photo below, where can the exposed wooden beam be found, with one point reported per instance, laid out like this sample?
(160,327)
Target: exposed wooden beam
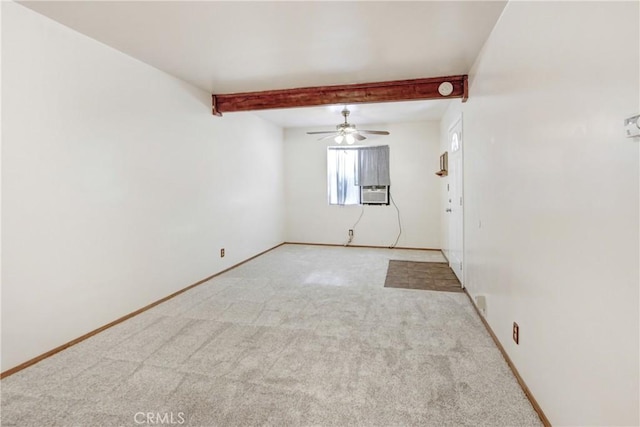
(398,90)
(465,88)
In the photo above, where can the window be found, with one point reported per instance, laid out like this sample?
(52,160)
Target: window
(341,174)
(351,169)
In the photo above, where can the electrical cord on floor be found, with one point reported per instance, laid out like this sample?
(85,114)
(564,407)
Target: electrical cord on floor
(353,228)
(399,223)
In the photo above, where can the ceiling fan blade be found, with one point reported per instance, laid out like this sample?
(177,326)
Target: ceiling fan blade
(346,132)
(374,132)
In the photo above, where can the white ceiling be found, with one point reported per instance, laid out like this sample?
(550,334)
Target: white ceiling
(226,46)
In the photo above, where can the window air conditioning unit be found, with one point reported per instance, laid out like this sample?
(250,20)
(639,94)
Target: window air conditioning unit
(374,195)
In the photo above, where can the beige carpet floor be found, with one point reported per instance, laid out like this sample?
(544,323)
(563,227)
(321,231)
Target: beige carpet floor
(301,336)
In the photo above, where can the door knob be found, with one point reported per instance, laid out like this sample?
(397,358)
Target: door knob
(448,209)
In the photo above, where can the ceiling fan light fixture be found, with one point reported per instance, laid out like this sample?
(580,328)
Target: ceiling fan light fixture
(347,132)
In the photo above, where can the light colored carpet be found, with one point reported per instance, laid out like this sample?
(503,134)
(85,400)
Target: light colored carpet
(303,335)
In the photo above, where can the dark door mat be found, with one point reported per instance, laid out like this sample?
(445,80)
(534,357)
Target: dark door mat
(429,276)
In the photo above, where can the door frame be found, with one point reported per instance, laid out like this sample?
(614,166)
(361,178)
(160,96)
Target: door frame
(457,121)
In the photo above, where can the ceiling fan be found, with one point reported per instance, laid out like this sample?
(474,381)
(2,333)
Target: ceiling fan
(347,132)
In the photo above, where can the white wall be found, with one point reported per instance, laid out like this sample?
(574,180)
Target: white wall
(119,186)
(414,159)
(554,182)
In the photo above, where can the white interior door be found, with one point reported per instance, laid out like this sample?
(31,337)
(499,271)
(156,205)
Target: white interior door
(455,204)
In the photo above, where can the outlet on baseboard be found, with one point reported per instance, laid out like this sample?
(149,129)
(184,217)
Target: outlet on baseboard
(516,333)
(350,233)
(222,253)
(481,303)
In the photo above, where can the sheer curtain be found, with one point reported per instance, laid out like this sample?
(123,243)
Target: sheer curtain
(341,172)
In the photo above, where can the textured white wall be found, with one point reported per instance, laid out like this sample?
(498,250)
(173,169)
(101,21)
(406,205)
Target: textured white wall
(119,187)
(414,159)
(554,183)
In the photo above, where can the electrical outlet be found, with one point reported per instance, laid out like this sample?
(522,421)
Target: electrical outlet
(516,333)
(481,303)
(222,253)
(350,233)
